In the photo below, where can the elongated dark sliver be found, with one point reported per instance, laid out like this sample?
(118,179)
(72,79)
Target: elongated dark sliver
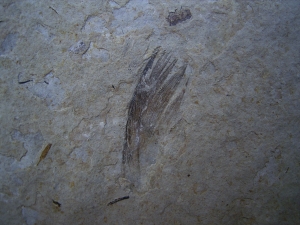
(117,200)
(44,153)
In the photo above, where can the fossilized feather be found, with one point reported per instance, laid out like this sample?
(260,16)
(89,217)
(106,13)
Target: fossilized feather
(151,97)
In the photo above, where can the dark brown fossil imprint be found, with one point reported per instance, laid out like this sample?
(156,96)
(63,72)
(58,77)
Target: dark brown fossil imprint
(178,16)
(150,100)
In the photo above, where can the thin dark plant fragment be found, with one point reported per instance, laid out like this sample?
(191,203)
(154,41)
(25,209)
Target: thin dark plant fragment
(178,16)
(24,81)
(117,200)
(56,203)
(44,153)
(151,98)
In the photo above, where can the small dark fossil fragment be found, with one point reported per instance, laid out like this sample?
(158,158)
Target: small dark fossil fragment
(117,200)
(56,203)
(44,153)
(178,16)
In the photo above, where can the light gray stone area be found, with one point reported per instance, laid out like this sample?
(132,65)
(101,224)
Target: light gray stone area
(229,153)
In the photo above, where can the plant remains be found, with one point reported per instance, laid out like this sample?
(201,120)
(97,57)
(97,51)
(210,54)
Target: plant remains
(150,103)
(178,16)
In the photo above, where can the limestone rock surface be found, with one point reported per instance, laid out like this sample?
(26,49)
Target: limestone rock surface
(218,144)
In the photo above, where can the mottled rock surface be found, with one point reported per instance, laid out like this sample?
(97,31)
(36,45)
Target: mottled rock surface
(224,149)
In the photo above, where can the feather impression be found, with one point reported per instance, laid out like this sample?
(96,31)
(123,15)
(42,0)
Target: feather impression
(152,95)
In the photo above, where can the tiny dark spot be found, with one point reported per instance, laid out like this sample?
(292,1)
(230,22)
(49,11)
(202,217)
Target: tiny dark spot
(113,86)
(188,175)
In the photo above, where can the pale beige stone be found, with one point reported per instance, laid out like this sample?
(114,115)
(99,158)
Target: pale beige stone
(228,155)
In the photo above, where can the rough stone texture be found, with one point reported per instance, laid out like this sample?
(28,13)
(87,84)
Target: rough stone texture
(231,153)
